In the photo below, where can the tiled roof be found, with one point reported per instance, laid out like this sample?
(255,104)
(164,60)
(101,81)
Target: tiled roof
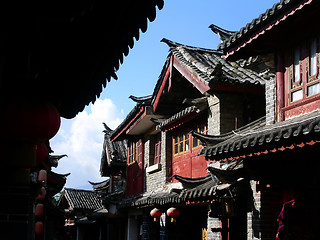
(227,173)
(54,159)
(141,101)
(55,182)
(192,181)
(82,199)
(289,131)
(203,189)
(273,16)
(104,30)
(177,116)
(113,153)
(209,66)
(222,33)
(100,185)
(198,106)
(210,140)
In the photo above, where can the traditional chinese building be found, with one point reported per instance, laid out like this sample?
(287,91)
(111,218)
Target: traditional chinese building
(278,160)
(83,209)
(197,90)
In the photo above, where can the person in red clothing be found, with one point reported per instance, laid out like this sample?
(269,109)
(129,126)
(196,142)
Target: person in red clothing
(299,218)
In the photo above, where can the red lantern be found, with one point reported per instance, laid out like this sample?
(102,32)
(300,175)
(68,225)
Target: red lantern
(173,213)
(39,210)
(37,121)
(42,176)
(38,228)
(155,213)
(42,194)
(41,153)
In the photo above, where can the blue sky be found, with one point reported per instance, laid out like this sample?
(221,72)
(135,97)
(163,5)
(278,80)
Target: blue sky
(183,21)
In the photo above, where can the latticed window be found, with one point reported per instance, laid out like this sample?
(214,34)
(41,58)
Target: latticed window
(139,150)
(181,143)
(157,149)
(132,152)
(303,78)
(200,129)
(135,151)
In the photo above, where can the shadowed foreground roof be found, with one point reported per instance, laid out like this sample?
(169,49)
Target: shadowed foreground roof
(66,51)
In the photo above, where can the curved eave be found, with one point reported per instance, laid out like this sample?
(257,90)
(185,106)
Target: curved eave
(297,132)
(135,114)
(265,23)
(66,51)
(205,68)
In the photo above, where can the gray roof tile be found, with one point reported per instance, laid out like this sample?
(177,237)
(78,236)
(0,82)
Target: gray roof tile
(276,12)
(210,66)
(82,199)
(289,131)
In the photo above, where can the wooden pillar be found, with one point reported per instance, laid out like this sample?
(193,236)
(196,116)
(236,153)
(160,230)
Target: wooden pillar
(280,86)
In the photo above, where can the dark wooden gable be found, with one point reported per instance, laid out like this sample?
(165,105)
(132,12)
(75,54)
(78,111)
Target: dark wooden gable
(174,93)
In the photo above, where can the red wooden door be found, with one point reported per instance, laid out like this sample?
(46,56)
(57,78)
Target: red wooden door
(135,171)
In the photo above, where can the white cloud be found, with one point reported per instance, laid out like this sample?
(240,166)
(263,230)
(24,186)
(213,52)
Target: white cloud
(81,139)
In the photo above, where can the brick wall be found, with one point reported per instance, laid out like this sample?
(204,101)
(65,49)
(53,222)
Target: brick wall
(231,111)
(213,115)
(213,223)
(270,92)
(156,179)
(253,217)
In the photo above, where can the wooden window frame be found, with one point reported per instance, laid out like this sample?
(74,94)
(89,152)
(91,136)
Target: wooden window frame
(132,152)
(135,151)
(181,139)
(305,80)
(185,140)
(139,151)
(157,149)
(199,130)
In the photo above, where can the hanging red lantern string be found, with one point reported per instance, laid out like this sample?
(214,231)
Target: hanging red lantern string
(39,210)
(38,228)
(156,214)
(41,153)
(42,176)
(42,194)
(173,213)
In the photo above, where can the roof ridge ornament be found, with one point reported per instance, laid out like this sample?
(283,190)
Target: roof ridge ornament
(223,34)
(141,100)
(173,44)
